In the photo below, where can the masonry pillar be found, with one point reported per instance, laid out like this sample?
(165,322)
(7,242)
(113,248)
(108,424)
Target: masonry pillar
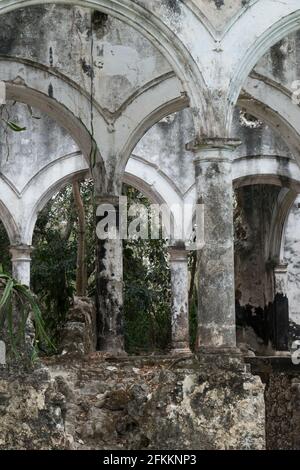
(109,278)
(179,292)
(280,317)
(281,279)
(216,302)
(21,260)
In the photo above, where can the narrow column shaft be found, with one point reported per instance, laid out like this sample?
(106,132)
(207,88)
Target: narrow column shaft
(21,260)
(216,302)
(109,278)
(281,279)
(180,309)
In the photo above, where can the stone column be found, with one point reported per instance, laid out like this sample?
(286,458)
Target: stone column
(109,279)
(21,259)
(281,279)
(216,303)
(280,312)
(179,292)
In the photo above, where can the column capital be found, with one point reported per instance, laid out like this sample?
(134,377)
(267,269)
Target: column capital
(281,278)
(21,252)
(281,268)
(212,143)
(21,258)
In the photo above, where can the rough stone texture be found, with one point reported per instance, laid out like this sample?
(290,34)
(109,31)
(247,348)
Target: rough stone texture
(78,335)
(142,403)
(109,281)
(32,410)
(254,281)
(216,305)
(179,310)
(282,380)
(162,404)
(220,12)
(292,257)
(261,301)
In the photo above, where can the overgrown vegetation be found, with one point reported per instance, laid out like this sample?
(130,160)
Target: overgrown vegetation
(55,265)
(147,290)
(16,304)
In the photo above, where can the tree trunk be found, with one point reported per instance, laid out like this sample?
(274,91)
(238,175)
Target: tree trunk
(81,273)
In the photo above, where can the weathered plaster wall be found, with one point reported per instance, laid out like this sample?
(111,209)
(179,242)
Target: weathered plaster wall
(33,165)
(58,36)
(24,154)
(257,137)
(220,12)
(282,393)
(253,267)
(282,62)
(292,257)
(164,145)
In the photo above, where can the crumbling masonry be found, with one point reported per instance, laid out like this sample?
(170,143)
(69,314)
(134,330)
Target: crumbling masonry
(191,101)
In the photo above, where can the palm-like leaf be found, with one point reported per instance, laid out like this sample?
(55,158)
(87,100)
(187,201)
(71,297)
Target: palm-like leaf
(14,293)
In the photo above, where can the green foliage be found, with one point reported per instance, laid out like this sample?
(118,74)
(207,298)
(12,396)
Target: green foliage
(16,303)
(54,256)
(147,296)
(13,126)
(147,293)
(5,259)
(147,290)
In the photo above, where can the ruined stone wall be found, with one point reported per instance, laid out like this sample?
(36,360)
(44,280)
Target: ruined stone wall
(32,410)
(27,153)
(253,268)
(58,37)
(261,311)
(151,403)
(282,392)
(292,257)
(282,62)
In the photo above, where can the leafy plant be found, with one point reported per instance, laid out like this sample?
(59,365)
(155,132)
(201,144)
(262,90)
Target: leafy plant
(16,303)
(8,122)
(13,126)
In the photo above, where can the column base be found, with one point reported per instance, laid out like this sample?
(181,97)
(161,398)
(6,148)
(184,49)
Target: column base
(181,351)
(227,358)
(112,344)
(220,351)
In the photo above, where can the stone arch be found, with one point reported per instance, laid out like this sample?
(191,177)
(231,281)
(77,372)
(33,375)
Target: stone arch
(272,103)
(278,171)
(286,201)
(33,202)
(156,31)
(34,91)
(261,26)
(140,174)
(146,177)
(155,100)
(10,224)
(153,112)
